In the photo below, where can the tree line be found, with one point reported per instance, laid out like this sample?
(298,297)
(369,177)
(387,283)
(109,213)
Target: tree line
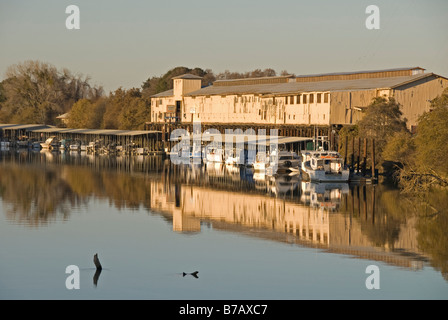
(37,92)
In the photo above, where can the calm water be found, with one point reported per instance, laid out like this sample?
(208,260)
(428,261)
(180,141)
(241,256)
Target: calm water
(249,236)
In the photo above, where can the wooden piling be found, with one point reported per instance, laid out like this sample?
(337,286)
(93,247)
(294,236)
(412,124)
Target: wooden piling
(359,155)
(364,155)
(373,157)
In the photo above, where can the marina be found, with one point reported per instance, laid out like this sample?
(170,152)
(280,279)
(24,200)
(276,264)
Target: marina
(265,154)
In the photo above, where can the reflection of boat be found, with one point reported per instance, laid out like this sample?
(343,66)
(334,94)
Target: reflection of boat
(323,195)
(284,183)
(324,166)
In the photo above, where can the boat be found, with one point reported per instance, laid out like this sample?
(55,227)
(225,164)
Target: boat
(214,155)
(285,161)
(4,145)
(36,145)
(75,146)
(324,166)
(64,145)
(261,162)
(50,143)
(231,158)
(83,147)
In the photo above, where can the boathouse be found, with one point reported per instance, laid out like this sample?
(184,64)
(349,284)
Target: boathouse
(322,100)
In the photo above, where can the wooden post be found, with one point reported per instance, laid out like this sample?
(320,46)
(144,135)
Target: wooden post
(345,149)
(359,155)
(373,158)
(353,154)
(364,154)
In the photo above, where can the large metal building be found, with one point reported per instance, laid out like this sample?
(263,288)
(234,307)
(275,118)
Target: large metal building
(332,99)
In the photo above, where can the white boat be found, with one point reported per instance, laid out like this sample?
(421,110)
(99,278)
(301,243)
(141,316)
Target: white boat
(261,162)
(285,161)
(64,145)
(4,145)
(50,143)
(214,155)
(75,146)
(36,145)
(324,166)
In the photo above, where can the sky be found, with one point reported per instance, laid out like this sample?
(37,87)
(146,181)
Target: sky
(123,43)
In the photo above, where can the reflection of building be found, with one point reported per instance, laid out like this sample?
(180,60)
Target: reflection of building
(323,100)
(288,221)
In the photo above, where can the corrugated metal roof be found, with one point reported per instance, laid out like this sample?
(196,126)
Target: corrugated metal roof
(22,126)
(167,93)
(317,86)
(357,72)
(188,76)
(94,131)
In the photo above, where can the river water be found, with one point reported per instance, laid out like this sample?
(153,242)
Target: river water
(249,236)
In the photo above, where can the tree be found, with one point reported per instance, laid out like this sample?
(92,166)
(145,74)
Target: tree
(126,109)
(81,114)
(426,166)
(432,137)
(400,148)
(381,121)
(37,92)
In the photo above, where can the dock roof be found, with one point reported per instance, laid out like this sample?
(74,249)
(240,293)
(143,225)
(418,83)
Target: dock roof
(39,128)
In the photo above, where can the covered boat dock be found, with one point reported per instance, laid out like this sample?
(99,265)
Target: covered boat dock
(150,140)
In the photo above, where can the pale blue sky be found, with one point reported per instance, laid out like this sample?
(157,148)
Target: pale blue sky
(122,43)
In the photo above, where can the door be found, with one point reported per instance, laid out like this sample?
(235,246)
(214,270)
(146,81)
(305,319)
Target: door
(178,111)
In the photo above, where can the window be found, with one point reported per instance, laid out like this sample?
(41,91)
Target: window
(312,98)
(298,99)
(305,96)
(326,97)
(291,99)
(286,100)
(319,97)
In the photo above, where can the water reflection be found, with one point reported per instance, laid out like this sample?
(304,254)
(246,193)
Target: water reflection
(367,222)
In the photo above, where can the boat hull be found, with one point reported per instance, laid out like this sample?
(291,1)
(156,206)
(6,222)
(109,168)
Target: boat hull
(322,176)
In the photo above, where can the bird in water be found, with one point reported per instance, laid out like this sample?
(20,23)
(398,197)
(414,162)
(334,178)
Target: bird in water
(194,274)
